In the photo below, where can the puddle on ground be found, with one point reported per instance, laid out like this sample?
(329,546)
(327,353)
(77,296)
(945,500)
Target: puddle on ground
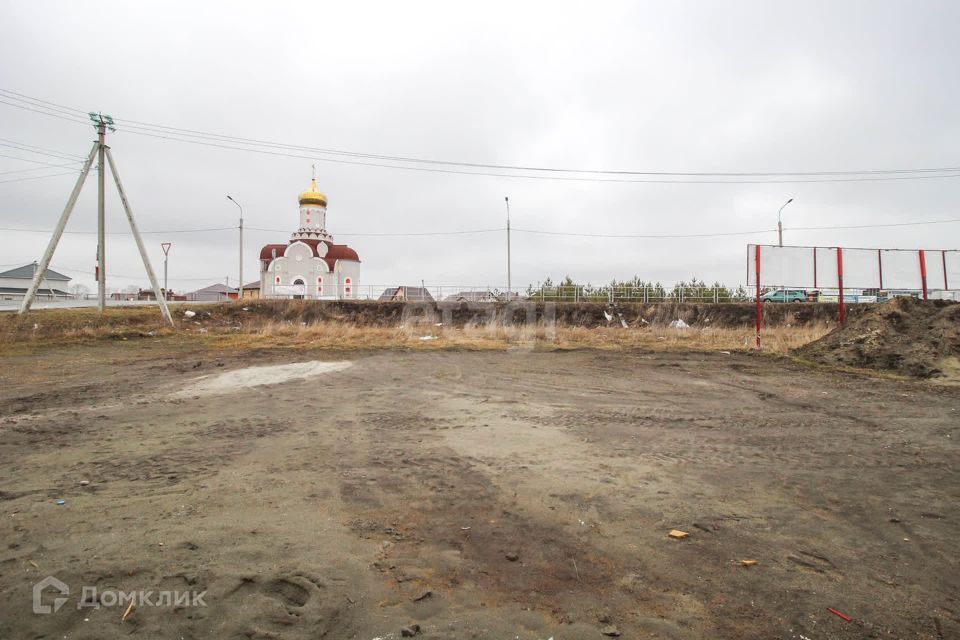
(238,379)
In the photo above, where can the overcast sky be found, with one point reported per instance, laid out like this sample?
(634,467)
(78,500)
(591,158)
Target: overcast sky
(661,86)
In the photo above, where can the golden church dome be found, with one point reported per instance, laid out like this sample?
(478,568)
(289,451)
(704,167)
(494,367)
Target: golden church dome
(313,195)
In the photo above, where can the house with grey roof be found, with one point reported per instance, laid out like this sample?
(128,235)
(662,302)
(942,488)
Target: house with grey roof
(214,293)
(405,294)
(15,282)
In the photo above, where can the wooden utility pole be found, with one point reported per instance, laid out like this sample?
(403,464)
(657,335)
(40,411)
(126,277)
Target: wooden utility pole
(102,152)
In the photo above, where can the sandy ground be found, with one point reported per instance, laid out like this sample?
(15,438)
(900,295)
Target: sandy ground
(508,494)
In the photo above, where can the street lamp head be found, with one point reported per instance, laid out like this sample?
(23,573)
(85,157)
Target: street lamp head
(230,198)
(782,206)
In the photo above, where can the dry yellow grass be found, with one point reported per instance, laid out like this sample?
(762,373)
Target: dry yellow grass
(342,336)
(46,329)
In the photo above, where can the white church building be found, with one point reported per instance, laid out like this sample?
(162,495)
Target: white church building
(310,266)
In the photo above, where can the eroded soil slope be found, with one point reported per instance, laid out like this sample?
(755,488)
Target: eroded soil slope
(906,336)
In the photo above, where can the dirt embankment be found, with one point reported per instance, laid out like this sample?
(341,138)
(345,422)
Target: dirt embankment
(906,336)
(589,314)
(255,315)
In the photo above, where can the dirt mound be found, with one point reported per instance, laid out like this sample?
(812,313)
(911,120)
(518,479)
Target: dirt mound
(906,336)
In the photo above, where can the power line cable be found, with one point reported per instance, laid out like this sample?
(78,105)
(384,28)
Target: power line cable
(43,168)
(45,102)
(3,155)
(185,135)
(548,177)
(128,277)
(252,141)
(40,150)
(531,231)
(46,113)
(52,175)
(123,233)
(873,226)
(398,234)
(647,236)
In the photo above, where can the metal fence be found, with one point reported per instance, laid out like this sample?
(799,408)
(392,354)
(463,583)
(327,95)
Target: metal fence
(716,294)
(562,293)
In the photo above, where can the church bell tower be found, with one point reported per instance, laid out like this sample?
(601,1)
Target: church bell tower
(313,214)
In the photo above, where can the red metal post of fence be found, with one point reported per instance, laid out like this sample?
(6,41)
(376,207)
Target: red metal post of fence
(759,305)
(880,266)
(923,272)
(840,284)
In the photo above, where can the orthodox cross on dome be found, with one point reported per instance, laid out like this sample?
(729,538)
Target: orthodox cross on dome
(313,172)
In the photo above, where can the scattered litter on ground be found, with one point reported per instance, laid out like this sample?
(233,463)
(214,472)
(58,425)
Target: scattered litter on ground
(679,324)
(61,502)
(410,631)
(425,338)
(837,613)
(907,336)
(256,376)
(127,612)
(189,313)
(423,595)
(676,534)
(748,563)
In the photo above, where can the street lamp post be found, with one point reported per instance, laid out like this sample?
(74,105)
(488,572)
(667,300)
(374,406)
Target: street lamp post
(509,283)
(166,253)
(780,222)
(240,285)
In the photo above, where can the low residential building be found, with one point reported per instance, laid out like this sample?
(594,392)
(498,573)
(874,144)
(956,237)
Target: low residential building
(405,294)
(214,293)
(251,290)
(482,296)
(15,282)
